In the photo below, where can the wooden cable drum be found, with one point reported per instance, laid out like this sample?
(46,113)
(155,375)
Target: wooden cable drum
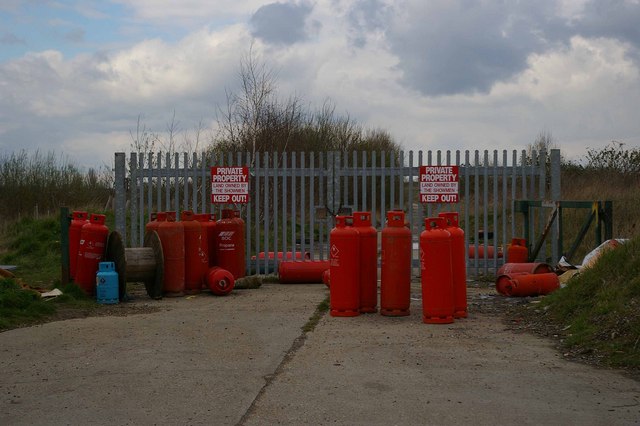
(137,264)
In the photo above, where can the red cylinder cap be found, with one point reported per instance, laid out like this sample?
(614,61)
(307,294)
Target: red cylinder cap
(79,215)
(98,219)
(435,223)
(161,216)
(362,219)
(452,218)
(187,215)
(395,218)
(171,216)
(227,213)
(341,221)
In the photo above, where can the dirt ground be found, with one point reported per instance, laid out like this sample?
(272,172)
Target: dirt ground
(518,314)
(243,359)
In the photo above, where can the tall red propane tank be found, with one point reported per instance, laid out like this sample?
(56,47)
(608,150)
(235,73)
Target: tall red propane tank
(344,292)
(78,219)
(171,235)
(205,223)
(458,264)
(436,272)
(395,280)
(210,226)
(368,261)
(156,218)
(230,248)
(93,240)
(193,254)
(517,251)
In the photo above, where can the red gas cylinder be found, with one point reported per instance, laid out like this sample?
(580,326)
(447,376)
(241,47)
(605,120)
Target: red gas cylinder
(436,272)
(504,280)
(156,218)
(220,281)
(195,261)
(78,219)
(517,251)
(171,235)
(530,268)
(302,271)
(242,238)
(395,280)
(458,264)
(286,256)
(344,292)
(210,227)
(230,249)
(522,285)
(204,220)
(326,277)
(93,239)
(368,261)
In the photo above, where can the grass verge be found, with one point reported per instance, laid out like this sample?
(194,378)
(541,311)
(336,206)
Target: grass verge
(600,308)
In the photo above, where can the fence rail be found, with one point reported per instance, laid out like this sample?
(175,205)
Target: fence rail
(294,196)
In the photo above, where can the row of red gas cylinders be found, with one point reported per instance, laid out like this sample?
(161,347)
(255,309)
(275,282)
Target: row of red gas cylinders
(353,288)
(198,251)
(87,241)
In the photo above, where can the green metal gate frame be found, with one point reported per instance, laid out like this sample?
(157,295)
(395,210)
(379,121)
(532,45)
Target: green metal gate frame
(600,211)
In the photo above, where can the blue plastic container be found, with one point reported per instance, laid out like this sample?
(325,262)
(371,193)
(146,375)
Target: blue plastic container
(107,283)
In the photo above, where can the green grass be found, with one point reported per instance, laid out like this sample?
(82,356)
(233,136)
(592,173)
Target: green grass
(601,307)
(19,306)
(34,246)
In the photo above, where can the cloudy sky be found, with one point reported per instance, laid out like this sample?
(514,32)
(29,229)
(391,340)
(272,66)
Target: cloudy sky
(437,74)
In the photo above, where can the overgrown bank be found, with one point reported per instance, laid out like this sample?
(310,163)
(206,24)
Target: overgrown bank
(596,317)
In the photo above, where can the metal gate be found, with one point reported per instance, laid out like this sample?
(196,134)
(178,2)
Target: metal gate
(295,196)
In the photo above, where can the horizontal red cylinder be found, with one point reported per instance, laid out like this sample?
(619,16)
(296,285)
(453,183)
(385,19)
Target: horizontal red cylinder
(287,256)
(530,268)
(504,280)
(303,271)
(491,251)
(523,285)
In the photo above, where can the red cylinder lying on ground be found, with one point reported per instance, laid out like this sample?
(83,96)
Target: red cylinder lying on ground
(171,235)
(530,268)
(230,244)
(93,240)
(395,283)
(286,256)
(302,271)
(220,281)
(78,219)
(458,264)
(491,252)
(326,277)
(532,284)
(195,263)
(368,261)
(344,292)
(504,280)
(517,251)
(436,272)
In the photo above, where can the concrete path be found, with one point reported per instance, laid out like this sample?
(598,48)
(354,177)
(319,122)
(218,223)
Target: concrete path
(241,360)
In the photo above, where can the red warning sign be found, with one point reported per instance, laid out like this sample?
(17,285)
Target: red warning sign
(439,184)
(230,185)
